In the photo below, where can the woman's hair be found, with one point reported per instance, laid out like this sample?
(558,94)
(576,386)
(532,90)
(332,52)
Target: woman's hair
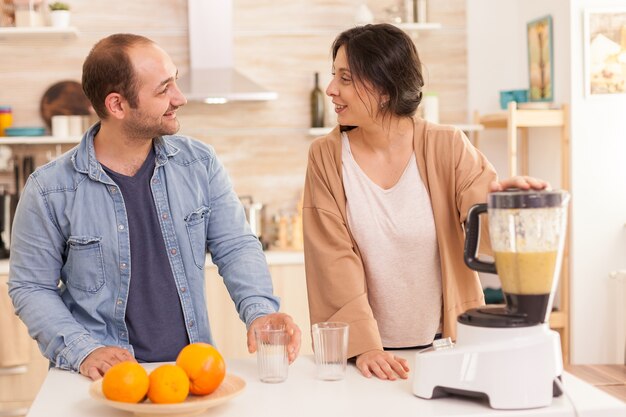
(384,57)
(108,69)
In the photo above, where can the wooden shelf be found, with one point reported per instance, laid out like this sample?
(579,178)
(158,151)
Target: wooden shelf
(514,119)
(558,320)
(525,118)
(414,26)
(522,119)
(38,140)
(465,127)
(37,33)
(334,31)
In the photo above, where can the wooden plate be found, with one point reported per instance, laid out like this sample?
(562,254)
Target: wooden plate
(230,387)
(64,98)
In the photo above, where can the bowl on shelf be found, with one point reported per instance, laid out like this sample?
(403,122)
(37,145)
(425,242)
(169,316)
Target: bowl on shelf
(25,131)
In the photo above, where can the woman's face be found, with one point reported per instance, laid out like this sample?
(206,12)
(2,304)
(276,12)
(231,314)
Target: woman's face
(354,104)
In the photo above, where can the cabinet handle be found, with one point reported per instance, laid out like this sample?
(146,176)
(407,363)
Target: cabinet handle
(13,370)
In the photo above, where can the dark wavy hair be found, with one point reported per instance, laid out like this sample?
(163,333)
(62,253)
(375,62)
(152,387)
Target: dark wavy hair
(385,57)
(108,69)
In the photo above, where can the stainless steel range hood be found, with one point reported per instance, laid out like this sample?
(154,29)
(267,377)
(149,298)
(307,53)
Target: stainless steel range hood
(212,77)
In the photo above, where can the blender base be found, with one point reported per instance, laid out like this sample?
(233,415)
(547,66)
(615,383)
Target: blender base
(514,368)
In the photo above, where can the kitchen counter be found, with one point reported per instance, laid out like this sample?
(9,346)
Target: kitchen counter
(65,394)
(274,257)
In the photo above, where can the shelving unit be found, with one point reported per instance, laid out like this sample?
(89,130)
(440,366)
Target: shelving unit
(38,140)
(38,33)
(409,27)
(523,119)
(414,26)
(514,119)
(320,131)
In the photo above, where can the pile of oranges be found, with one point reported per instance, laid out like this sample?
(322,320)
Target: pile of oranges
(199,370)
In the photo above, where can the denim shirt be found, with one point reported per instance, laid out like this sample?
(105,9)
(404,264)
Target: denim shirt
(70,252)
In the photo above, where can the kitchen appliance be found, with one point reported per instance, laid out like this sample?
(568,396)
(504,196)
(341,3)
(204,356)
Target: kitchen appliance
(212,77)
(255,213)
(507,354)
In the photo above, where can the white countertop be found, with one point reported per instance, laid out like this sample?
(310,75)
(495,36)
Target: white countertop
(274,258)
(65,394)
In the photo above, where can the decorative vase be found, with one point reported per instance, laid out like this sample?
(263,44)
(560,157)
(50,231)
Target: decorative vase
(60,18)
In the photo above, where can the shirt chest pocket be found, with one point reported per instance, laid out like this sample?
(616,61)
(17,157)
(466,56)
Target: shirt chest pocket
(85,265)
(196,229)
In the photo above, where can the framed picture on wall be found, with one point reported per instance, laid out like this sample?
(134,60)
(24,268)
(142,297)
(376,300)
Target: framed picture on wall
(540,59)
(605,51)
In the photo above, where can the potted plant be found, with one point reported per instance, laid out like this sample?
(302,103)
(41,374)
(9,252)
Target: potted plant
(59,14)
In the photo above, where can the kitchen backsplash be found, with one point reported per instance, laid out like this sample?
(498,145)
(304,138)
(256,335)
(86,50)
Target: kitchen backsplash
(263,144)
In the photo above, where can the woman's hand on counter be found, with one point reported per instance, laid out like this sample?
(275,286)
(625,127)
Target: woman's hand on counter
(293,348)
(384,365)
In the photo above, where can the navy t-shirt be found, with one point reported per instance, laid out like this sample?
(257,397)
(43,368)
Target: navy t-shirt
(154,316)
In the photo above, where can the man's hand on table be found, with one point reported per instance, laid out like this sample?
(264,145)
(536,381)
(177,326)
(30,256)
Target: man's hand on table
(100,360)
(277,319)
(384,365)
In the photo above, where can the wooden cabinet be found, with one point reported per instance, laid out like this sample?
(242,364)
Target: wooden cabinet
(229,332)
(516,120)
(22,367)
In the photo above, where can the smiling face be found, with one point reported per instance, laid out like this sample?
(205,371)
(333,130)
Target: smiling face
(158,96)
(356,104)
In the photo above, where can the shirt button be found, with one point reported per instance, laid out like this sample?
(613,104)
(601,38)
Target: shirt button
(191,323)
(123,265)
(155,181)
(183,289)
(119,302)
(121,227)
(113,189)
(122,334)
(173,251)
(164,216)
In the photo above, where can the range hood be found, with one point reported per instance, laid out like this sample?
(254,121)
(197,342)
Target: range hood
(212,77)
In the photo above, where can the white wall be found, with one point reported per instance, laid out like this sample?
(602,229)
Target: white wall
(599,209)
(497,60)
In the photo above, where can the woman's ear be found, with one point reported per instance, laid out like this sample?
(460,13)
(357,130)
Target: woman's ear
(114,105)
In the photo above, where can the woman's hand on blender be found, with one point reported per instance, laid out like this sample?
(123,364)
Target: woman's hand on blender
(521,182)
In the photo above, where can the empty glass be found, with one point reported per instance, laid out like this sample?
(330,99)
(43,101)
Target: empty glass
(330,343)
(271,354)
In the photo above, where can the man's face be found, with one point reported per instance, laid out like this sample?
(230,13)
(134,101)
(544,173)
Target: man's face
(158,95)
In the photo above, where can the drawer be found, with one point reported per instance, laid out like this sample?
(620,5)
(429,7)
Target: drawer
(14,408)
(21,383)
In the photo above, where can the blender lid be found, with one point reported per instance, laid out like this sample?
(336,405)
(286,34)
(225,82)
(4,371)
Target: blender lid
(515,198)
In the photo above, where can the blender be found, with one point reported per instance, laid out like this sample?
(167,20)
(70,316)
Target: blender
(507,354)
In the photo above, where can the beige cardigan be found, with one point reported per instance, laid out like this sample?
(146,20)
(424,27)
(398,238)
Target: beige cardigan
(456,176)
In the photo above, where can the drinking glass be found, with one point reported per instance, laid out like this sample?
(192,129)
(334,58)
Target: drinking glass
(272,357)
(330,344)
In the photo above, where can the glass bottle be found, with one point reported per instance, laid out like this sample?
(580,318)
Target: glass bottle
(317,104)
(6,119)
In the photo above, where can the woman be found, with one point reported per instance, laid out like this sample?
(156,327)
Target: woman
(385,199)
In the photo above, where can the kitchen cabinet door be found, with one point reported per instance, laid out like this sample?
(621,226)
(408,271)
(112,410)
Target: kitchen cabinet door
(229,332)
(22,367)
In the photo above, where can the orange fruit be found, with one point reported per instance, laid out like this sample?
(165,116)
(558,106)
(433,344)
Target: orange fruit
(204,366)
(126,382)
(168,384)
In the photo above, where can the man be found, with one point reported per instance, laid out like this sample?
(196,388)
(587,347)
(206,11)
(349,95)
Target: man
(109,240)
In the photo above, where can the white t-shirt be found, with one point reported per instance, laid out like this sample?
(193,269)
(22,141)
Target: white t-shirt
(395,231)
